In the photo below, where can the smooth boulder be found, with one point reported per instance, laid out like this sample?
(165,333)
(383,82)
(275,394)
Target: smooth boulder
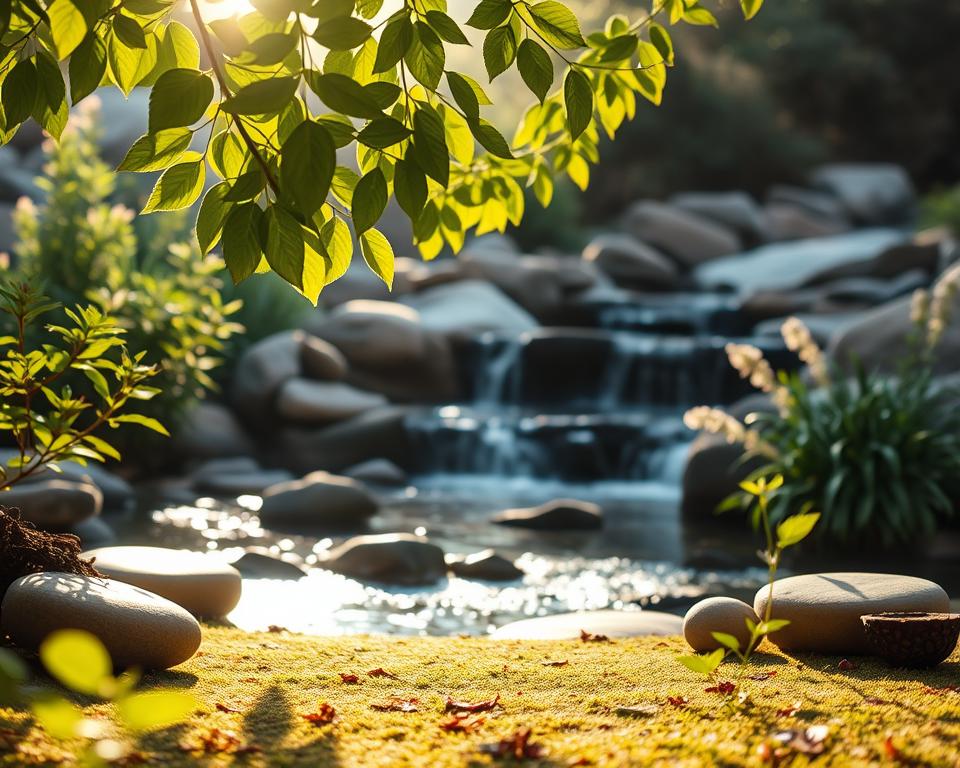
(260,563)
(824,609)
(377,472)
(318,499)
(192,580)
(392,558)
(486,565)
(631,263)
(211,431)
(468,307)
(736,210)
(871,193)
(555,515)
(690,239)
(317,402)
(717,614)
(137,627)
(54,504)
(611,623)
(321,360)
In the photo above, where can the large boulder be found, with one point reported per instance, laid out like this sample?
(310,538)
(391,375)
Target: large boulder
(118,495)
(736,210)
(321,360)
(714,470)
(632,263)
(235,477)
(392,558)
(317,500)
(790,221)
(305,401)
(610,623)
(555,515)
(373,334)
(54,504)
(822,204)
(486,565)
(690,239)
(211,431)
(463,309)
(871,193)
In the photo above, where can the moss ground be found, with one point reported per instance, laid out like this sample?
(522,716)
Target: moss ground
(256,688)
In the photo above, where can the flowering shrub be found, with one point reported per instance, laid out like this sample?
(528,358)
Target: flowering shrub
(876,455)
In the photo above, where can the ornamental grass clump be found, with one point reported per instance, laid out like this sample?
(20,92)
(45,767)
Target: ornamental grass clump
(878,455)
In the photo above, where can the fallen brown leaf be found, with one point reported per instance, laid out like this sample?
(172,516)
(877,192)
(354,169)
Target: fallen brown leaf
(846,665)
(589,637)
(555,663)
(225,708)
(789,711)
(809,741)
(761,676)
(639,710)
(324,715)
(381,672)
(480,706)
(724,688)
(396,704)
(276,629)
(349,679)
(678,701)
(517,746)
(212,741)
(462,723)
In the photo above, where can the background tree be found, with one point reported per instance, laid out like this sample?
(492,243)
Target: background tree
(285,203)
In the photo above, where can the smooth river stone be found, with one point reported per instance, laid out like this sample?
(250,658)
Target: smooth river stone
(717,614)
(200,584)
(137,627)
(567,626)
(824,609)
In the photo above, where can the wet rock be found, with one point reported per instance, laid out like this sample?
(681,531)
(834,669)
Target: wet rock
(736,210)
(259,563)
(463,309)
(137,627)
(823,327)
(192,580)
(486,565)
(318,499)
(788,221)
(426,274)
(220,478)
(377,472)
(321,360)
(211,431)
(360,284)
(54,504)
(631,263)
(392,558)
(93,532)
(824,609)
(262,369)
(118,494)
(824,205)
(717,614)
(871,193)
(688,238)
(568,626)
(714,470)
(315,402)
(555,515)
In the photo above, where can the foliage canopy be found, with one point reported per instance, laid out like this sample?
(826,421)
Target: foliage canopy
(294,81)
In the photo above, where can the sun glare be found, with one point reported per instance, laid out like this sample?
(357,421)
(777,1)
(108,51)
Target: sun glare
(220,9)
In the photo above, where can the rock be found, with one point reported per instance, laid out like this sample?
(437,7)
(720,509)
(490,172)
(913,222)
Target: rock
(823,205)
(318,499)
(54,504)
(789,221)
(736,210)
(93,532)
(555,515)
(376,434)
(871,193)
(824,609)
(486,565)
(316,402)
(469,307)
(192,580)
(631,263)
(713,471)
(823,327)
(568,626)
(783,266)
(688,238)
(717,614)
(426,274)
(377,472)
(118,494)
(137,627)
(259,563)
(233,483)
(392,558)
(321,360)
(211,431)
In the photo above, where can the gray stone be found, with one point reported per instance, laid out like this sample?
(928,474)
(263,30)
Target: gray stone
(555,515)
(93,532)
(193,580)
(872,193)
(426,274)
(236,483)
(736,210)
(118,494)
(823,327)
(137,627)
(789,221)
(487,566)
(374,334)
(568,626)
(316,402)
(260,372)
(688,238)
(392,558)
(714,470)
(54,504)
(824,609)
(631,263)
(259,563)
(822,204)
(318,499)
(463,309)
(211,431)
(321,360)
(717,614)
(378,472)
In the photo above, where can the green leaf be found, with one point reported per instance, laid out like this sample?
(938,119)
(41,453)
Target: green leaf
(378,254)
(703,664)
(178,187)
(369,200)
(149,710)
(247,186)
(383,132)
(384,94)
(489,14)
(750,8)
(179,98)
(285,246)
(50,107)
(535,67)
(490,138)
(19,93)
(344,94)
(57,716)
(662,42)
(726,640)
(769,627)
(128,32)
(307,161)
(430,141)
(578,101)
(87,67)
(410,186)
(241,240)
(796,528)
(394,43)
(464,94)
(446,27)
(620,48)
(262,97)
(212,215)
(499,51)
(78,660)
(271,49)
(699,16)
(68,27)
(557,24)
(156,151)
(425,58)
(144,421)
(342,33)
(129,66)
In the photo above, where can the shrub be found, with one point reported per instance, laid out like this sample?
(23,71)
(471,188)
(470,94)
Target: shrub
(878,456)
